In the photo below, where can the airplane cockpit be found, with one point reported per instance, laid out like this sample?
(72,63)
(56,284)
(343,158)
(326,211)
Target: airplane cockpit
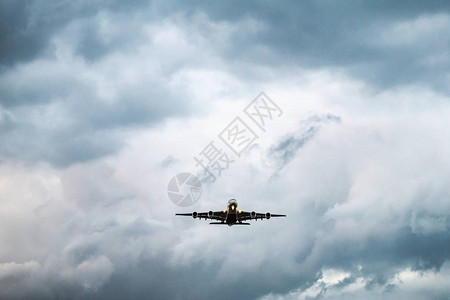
(232,204)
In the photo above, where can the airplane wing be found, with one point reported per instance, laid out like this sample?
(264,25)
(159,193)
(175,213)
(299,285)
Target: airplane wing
(245,215)
(212,215)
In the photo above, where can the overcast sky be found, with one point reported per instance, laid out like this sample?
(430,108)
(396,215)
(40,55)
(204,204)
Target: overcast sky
(103,102)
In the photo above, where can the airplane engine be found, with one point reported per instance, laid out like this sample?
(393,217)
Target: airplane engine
(210,214)
(267,215)
(194,214)
(253,215)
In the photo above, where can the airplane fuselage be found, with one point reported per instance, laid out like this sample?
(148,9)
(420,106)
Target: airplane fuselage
(231,218)
(231,212)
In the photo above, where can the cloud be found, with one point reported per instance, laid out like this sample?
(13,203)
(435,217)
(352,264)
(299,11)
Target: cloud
(27,27)
(63,110)
(285,151)
(357,196)
(350,36)
(101,103)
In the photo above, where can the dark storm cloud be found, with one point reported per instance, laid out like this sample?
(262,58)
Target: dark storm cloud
(50,110)
(16,40)
(347,34)
(382,256)
(26,27)
(307,33)
(79,131)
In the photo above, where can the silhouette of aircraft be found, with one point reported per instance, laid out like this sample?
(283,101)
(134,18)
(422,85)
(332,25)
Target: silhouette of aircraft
(231,216)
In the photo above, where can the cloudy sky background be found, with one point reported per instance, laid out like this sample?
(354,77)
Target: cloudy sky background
(102,102)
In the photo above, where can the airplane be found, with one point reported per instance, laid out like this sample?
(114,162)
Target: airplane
(231,216)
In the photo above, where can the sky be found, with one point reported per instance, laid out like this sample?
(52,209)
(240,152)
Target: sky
(103,102)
